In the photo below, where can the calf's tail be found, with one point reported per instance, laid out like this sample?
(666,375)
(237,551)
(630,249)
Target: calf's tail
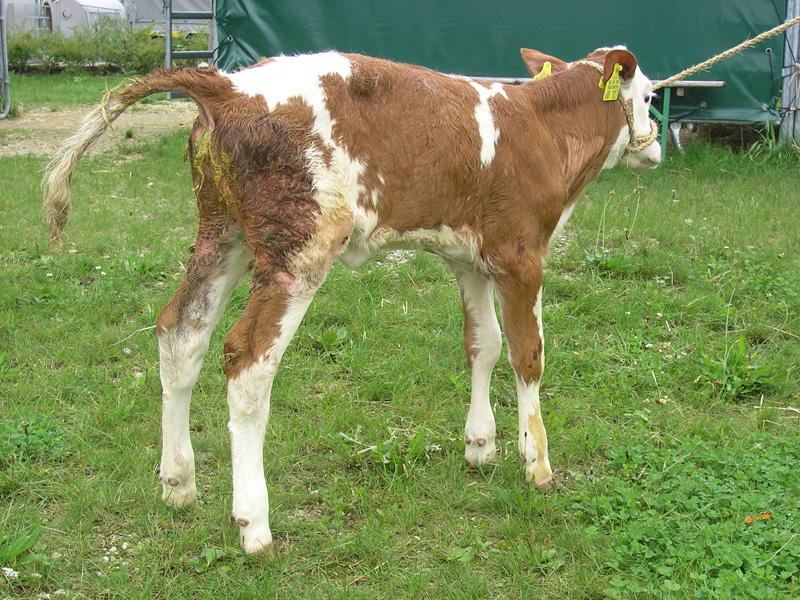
(206,87)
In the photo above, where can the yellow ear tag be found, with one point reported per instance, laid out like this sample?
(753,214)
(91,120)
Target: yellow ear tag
(545,72)
(612,86)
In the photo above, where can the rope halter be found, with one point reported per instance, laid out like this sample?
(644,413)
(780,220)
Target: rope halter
(636,143)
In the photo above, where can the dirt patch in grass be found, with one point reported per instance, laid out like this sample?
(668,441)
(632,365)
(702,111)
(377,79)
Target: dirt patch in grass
(41,131)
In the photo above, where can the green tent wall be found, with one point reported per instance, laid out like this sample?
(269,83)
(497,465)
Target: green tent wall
(483,38)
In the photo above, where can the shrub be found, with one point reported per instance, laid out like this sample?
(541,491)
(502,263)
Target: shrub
(23,46)
(107,45)
(115,47)
(54,49)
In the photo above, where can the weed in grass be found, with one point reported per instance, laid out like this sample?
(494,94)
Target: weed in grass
(735,375)
(477,549)
(25,440)
(7,366)
(765,147)
(331,344)
(395,452)
(611,262)
(222,560)
(14,547)
(144,265)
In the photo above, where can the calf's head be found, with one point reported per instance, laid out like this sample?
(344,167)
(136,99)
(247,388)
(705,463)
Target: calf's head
(636,146)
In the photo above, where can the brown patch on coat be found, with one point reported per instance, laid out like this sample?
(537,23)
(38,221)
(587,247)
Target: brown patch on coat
(415,131)
(270,186)
(257,328)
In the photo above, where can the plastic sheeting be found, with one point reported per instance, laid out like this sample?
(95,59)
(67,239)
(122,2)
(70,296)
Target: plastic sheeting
(483,38)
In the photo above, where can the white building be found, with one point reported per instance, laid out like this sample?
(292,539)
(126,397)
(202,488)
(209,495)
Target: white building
(60,15)
(66,15)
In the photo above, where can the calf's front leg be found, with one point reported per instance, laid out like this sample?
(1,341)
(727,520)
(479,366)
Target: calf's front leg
(482,344)
(521,307)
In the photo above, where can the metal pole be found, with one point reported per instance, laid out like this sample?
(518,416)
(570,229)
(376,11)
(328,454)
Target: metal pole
(212,31)
(4,63)
(790,92)
(168,32)
(168,38)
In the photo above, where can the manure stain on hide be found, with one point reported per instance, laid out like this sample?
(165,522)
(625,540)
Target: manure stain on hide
(219,163)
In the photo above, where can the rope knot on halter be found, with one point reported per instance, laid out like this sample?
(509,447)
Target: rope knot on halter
(636,143)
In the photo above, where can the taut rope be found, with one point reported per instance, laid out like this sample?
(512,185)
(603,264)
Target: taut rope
(715,59)
(637,144)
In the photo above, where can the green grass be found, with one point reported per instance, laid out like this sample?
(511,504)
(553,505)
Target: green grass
(57,91)
(60,90)
(671,324)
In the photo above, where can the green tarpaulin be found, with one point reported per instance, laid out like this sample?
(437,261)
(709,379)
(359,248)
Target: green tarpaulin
(483,38)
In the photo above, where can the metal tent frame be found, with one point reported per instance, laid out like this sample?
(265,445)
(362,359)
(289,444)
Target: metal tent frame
(6,84)
(790,90)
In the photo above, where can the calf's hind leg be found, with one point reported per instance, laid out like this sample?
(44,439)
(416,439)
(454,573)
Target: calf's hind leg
(184,328)
(253,351)
(282,291)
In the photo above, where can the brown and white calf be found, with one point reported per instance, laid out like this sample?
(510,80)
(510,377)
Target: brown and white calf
(298,161)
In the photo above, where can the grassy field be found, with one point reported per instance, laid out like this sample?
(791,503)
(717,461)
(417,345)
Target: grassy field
(670,396)
(35,91)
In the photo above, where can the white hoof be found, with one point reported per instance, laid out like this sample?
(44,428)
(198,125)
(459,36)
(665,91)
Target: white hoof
(256,538)
(479,451)
(176,493)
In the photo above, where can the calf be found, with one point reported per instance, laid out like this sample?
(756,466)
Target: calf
(298,161)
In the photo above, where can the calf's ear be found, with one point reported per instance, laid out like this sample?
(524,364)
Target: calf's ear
(534,60)
(622,57)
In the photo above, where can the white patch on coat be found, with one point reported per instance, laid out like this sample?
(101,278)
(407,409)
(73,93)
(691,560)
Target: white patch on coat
(537,311)
(287,77)
(483,115)
(358,190)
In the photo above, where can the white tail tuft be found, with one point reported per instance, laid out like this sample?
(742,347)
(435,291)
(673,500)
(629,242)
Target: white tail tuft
(57,181)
